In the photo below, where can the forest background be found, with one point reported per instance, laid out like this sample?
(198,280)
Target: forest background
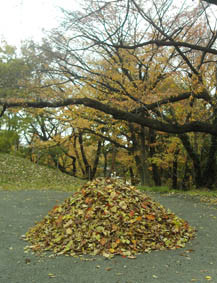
(120,87)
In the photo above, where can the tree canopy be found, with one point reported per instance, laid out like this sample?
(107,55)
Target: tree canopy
(134,63)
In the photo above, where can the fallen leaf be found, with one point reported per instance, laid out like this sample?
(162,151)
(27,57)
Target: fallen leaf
(59,220)
(51,275)
(131,256)
(103,241)
(150,217)
(69,231)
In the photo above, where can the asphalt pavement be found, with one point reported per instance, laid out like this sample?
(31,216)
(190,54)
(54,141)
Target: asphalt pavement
(19,210)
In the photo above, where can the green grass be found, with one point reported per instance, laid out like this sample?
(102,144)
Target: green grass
(205,195)
(162,189)
(165,190)
(17,173)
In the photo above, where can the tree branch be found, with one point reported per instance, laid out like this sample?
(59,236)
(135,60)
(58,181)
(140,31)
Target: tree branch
(118,114)
(167,43)
(3,110)
(214,2)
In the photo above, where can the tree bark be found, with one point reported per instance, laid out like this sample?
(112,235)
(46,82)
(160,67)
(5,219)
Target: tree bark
(209,173)
(198,180)
(155,169)
(84,158)
(175,170)
(96,161)
(144,157)
(77,155)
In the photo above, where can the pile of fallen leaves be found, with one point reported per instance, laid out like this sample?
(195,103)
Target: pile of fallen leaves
(108,217)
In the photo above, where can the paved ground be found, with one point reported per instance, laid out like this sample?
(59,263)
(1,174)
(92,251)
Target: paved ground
(197,262)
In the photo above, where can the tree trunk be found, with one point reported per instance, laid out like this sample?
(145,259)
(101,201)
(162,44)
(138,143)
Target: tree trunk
(209,173)
(175,170)
(144,159)
(132,176)
(198,180)
(114,153)
(77,155)
(87,166)
(186,177)
(96,161)
(140,153)
(105,166)
(155,169)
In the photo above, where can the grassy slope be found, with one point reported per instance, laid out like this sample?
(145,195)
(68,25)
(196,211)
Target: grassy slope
(18,173)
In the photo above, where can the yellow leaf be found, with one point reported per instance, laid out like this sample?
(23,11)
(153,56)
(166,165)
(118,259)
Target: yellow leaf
(139,218)
(51,275)
(69,231)
(114,209)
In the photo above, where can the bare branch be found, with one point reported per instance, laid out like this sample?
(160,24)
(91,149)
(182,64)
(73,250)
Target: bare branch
(168,43)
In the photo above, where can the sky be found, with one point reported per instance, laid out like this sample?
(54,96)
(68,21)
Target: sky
(25,19)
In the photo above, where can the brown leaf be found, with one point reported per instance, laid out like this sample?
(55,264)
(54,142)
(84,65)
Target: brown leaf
(59,220)
(103,241)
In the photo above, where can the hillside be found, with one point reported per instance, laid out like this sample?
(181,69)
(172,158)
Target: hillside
(17,173)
